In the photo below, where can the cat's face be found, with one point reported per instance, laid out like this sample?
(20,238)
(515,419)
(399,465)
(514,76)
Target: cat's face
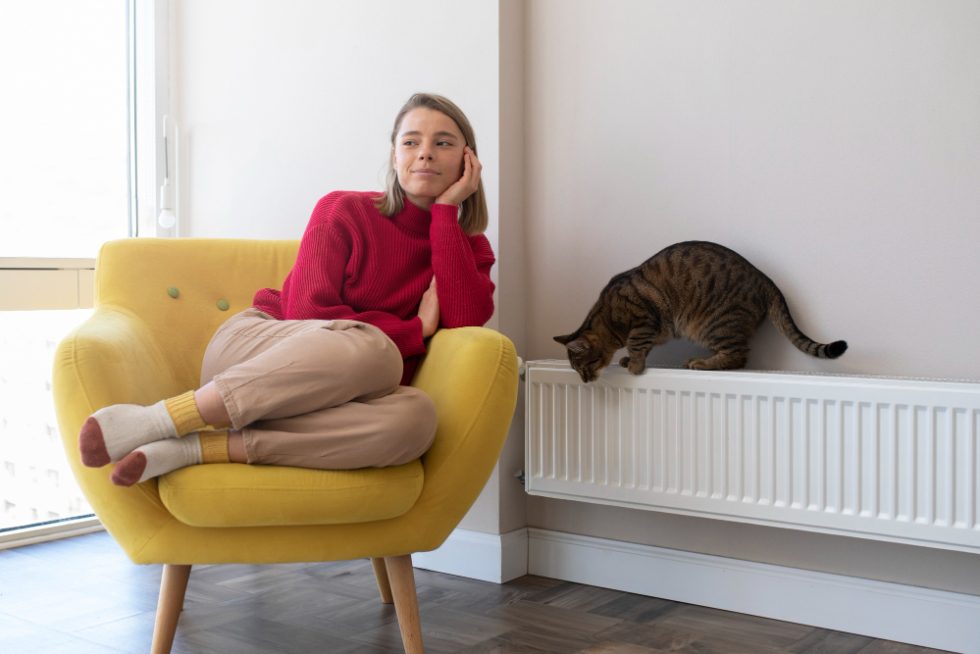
(585,355)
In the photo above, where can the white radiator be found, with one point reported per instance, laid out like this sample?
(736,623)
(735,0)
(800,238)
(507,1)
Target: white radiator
(879,458)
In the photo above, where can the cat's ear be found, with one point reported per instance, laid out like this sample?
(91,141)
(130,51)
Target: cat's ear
(579,347)
(565,339)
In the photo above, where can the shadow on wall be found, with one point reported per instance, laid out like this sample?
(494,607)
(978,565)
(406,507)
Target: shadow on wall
(770,350)
(672,354)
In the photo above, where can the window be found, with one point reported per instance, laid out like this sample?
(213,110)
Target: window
(64,126)
(80,83)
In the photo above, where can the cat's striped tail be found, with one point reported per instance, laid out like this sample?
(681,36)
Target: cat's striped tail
(780,316)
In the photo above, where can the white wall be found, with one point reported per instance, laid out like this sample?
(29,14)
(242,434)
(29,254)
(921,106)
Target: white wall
(282,102)
(835,144)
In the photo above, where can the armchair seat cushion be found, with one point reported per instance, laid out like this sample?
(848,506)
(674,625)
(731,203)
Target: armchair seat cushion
(238,495)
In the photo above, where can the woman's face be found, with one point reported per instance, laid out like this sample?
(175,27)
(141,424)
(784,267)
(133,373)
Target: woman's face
(427,155)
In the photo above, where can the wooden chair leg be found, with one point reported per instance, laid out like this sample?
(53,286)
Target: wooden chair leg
(173,585)
(402,580)
(381,574)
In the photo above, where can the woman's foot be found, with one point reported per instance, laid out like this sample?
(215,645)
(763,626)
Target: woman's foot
(160,457)
(111,433)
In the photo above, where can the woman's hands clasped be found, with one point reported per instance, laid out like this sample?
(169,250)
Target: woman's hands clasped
(467,184)
(429,310)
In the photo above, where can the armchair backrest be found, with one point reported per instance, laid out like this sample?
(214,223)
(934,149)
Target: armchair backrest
(205,282)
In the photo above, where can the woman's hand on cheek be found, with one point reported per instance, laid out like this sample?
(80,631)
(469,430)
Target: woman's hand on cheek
(467,184)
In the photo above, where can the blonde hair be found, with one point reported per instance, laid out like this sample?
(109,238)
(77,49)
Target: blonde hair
(473,214)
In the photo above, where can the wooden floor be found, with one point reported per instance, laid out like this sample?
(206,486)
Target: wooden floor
(82,595)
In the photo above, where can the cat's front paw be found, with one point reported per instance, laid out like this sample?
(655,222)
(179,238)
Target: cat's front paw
(637,367)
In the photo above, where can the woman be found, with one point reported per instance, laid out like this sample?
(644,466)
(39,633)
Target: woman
(310,375)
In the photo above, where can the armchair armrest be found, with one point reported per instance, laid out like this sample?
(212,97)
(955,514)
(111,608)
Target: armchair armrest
(111,358)
(471,375)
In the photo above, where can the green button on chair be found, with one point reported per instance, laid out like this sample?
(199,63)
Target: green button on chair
(157,303)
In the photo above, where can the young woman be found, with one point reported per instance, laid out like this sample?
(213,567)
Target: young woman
(312,374)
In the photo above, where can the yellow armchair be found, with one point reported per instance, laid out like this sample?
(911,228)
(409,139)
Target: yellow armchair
(158,301)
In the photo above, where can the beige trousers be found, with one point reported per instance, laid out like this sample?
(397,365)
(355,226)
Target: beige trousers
(317,393)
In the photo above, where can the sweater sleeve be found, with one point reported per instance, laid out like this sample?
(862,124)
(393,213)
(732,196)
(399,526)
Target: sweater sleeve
(314,286)
(461,266)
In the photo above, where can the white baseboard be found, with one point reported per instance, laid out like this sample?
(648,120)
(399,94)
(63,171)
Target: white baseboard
(474,554)
(907,614)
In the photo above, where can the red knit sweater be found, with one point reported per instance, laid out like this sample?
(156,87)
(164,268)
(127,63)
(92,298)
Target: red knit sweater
(355,263)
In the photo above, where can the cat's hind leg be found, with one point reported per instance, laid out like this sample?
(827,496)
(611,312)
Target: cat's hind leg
(723,360)
(728,340)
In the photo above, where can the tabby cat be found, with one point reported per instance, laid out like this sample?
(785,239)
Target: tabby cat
(696,290)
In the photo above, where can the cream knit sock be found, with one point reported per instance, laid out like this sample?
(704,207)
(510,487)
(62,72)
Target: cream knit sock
(160,457)
(111,433)
(157,458)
